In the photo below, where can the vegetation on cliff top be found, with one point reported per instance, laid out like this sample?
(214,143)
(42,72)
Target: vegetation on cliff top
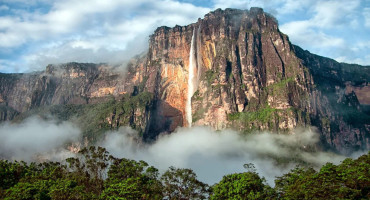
(265,118)
(95,119)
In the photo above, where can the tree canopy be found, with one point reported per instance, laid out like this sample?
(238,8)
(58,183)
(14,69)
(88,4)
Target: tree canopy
(94,174)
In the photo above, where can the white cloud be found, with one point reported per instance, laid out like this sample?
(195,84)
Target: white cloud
(74,17)
(331,14)
(29,2)
(321,26)
(102,27)
(8,66)
(328,30)
(241,4)
(4,7)
(354,54)
(291,6)
(79,51)
(366,15)
(275,7)
(90,33)
(326,15)
(213,154)
(303,34)
(34,137)
(362,61)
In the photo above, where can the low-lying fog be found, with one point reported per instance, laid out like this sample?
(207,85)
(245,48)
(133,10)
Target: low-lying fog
(211,154)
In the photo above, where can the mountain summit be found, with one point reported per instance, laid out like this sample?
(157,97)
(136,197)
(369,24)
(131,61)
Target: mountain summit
(231,69)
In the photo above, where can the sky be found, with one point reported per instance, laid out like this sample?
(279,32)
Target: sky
(35,33)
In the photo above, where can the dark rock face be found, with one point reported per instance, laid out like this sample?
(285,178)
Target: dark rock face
(335,107)
(247,76)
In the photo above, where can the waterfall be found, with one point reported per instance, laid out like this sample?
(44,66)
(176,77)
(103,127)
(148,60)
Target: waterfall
(192,65)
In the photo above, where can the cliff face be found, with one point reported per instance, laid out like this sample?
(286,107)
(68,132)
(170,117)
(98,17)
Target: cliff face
(237,56)
(242,64)
(245,74)
(231,69)
(339,101)
(72,83)
(94,96)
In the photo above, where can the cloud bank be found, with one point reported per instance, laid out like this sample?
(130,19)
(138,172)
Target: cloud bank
(213,154)
(84,30)
(36,139)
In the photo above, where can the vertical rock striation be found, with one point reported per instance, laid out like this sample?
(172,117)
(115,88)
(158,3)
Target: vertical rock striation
(249,77)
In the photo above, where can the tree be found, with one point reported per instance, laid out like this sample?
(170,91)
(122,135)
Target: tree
(68,189)
(36,182)
(84,178)
(183,184)
(89,169)
(247,185)
(11,173)
(288,185)
(129,179)
(38,189)
(349,180)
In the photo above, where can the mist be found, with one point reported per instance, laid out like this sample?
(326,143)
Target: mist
(213,154)
(37,139)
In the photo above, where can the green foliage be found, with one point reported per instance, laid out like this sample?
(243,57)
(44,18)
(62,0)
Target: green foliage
(264,115)
(47,180)
(287,183)
(246,185)
(258,116)
(183,184)
(11,173)
(30,190)
(210,76)
(352,115)
(281,84)
(89,168)
(196,96)
(129,179)
(199,113)
(349,180)
(68,189)
(325,122)
(281,87)
(125,189)
(142,84)
(94,174)
(92,118)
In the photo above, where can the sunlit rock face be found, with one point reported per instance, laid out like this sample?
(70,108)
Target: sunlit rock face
(249,76)
(244,74)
